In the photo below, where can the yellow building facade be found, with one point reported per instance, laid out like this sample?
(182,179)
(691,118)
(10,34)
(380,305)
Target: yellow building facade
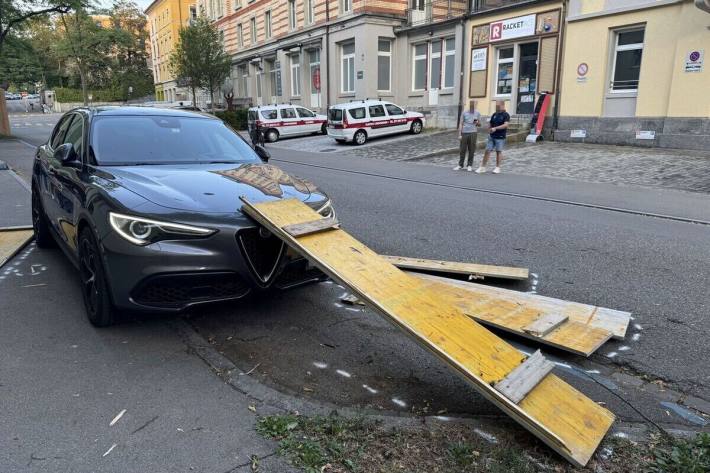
(634,72)
(165,18)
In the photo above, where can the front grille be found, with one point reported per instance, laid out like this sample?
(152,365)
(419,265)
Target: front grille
(178,290)
(262,251)
(297,274)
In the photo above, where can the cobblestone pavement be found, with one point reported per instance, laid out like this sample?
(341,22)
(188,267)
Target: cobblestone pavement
(686,170)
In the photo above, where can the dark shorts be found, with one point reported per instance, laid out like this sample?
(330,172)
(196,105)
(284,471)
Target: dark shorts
(495,144)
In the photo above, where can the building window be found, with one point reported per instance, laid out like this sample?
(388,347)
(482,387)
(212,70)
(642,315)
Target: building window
(193,12)
(259,75)
(308,10)
(435,65)
(242,81)
(252,27)
(449,60)
(267,24)
(292,14)
(221,37)
(628,49)
(384,64)
(237,4)
(240,35)
(346,6)
(419,67)
(296,75)
(504,72)
(347,60)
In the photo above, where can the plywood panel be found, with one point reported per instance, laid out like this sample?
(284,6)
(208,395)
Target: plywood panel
(554,411)
(548,56)
(452,267)
(11,241)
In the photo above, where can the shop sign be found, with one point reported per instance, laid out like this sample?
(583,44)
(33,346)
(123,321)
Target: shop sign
(694,61)
(512,28)
(479,59)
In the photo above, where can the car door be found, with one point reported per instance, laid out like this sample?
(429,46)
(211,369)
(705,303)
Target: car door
(308,120)
(378,120)
(47,182)
(397,118)
(69,182)
(289,122)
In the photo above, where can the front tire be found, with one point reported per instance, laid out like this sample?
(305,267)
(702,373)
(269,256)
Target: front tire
(272,136)
(94,286)
(40,226)
(360,137)
(324,129)
(416,127)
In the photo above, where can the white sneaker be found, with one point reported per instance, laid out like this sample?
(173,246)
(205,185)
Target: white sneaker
(496,170)
(481,170)
(457,168)
(469,169)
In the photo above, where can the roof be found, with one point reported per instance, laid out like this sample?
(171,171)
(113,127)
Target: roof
(360,103)
(145,111)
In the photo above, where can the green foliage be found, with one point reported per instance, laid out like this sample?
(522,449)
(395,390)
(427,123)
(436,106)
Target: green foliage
(236,118)
(15,14)
(684,456)
(19,65)
(65,94)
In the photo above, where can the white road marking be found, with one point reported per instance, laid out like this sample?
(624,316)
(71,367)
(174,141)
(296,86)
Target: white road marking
(371,390)
(344,373)
(109,450)
(320,364)
(399,402)
(117,418)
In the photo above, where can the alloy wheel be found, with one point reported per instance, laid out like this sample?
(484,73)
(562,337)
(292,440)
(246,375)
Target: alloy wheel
(88,269)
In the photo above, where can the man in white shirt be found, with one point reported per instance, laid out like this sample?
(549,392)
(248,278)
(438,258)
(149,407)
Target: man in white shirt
(468,133)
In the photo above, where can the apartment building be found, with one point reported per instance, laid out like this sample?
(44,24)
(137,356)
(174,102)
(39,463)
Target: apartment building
(634,73)
(165,18)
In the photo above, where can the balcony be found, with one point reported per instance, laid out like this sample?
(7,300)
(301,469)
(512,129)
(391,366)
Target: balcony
(483,5)
(425,12)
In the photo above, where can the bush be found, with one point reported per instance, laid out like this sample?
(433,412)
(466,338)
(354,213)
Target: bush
(237,119)
(65,94)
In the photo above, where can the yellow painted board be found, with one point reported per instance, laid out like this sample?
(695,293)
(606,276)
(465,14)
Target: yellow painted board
(11,241)
(554,411)
(512,316)
(484,270)
(614,321)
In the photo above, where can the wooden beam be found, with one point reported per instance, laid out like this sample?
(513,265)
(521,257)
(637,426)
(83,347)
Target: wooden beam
(519,382)
(314,226)
(452,267)
(545,324)
(12,241)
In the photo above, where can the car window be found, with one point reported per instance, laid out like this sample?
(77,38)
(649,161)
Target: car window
(335,114)
(288,113)
(60,130)
(357,113)
(130,140)
(305,113)
(377,111)
(74,135)
(393,109)
(269,114)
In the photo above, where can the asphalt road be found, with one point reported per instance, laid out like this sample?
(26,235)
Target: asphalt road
(56,407)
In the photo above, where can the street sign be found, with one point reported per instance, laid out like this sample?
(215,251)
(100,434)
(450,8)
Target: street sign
(694,61)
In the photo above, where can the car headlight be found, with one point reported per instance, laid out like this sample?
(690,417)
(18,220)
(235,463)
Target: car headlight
(327,210)
(143,231)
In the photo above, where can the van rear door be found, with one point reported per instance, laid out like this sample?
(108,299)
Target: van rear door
(335,117)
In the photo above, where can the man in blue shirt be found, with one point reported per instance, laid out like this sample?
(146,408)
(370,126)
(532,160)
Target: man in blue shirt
(498,124)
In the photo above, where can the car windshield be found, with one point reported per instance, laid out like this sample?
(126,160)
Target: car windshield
(134,140)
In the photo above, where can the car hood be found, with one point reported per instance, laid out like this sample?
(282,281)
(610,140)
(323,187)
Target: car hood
(214,188)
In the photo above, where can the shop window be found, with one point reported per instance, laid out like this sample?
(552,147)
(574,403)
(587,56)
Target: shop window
(384,64)
(419,67)
(628,49)
(347,59)
(296,75)
(504,72)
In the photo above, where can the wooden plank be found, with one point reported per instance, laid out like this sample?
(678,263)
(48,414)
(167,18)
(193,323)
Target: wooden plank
(314,226)
(545,324)
(614,321)
(554,411)
(452,267)
(12,241)
(524,377)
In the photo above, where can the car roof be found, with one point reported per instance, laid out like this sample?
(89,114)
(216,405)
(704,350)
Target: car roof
(133,110)
(361,103)
(271,106)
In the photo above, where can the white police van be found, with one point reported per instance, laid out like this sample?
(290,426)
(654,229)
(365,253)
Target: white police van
(358,120)
(279,120)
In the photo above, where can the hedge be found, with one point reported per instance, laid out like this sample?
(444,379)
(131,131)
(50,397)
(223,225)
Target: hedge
(65,94)
(237,119)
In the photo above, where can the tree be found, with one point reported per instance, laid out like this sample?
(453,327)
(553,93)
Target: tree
(14,13)
(19,64)
(199,59)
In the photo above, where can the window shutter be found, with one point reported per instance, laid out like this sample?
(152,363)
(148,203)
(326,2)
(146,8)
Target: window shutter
(546,69)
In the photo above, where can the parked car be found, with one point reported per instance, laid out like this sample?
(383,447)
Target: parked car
(359,120)
(145,203)
(279,120)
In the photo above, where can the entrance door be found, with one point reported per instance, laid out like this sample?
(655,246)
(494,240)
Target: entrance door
(527,79)
(314,61)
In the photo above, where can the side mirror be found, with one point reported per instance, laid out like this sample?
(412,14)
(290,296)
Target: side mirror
(65,153)
(263,154)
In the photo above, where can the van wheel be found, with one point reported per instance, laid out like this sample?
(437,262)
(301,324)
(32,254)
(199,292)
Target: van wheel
(360,137)
(324,129)
(272,135)
(416,127)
